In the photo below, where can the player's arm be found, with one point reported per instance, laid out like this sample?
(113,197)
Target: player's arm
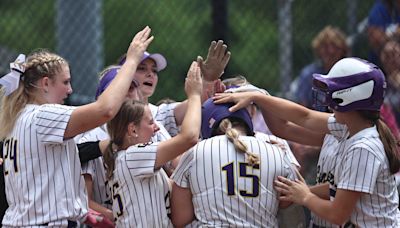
(190,129)
(282,108)
(89,116)
(93,204)
(290,131)
(337,211)
(321,190)
(91,150)
(182,211)
(88,151)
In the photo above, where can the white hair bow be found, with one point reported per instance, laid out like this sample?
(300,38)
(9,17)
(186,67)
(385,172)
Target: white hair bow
(10,81)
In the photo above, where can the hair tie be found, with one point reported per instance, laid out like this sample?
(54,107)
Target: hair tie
(11,80)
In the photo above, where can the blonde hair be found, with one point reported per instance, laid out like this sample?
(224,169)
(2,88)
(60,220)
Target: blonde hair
(130,112)
(227,127)
(38,64)
(237,80)
(333,35)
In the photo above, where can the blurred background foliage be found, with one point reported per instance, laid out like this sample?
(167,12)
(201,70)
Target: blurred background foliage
(182,30)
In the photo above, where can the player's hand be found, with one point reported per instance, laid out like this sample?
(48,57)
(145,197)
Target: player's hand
(139,44)
(97,220)
(193,83)
(241,100)
(295,191)
(217,59)
(210,88)
(109,215)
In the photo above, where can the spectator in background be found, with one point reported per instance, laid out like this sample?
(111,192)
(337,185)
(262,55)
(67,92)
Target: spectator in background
(383,21)
(390,58)
(329,46)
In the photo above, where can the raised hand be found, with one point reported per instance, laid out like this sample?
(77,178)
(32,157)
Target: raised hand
(193,83)
(139,44)
(217,59)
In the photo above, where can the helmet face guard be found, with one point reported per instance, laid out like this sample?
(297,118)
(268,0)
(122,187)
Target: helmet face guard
(360,91)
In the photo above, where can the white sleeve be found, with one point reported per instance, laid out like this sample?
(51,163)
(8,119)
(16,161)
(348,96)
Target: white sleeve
(182,172)
(166,116)
(141,159)
(51,122)
(359,170)
(89,167)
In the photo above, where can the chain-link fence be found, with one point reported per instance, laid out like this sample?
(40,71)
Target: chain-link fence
(270,40)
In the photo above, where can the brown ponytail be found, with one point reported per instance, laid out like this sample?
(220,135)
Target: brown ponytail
(130,112)
(391,146)
(233,135)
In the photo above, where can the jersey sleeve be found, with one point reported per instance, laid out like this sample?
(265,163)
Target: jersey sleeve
(182,172)
(166,116)
(51,122)
(359,170)
(89,168)
(141,159)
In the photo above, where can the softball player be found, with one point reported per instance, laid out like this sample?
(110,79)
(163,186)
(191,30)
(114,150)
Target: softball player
(362,186)
(295,133)
(44,186)
(227,179)
(99,192)
(171,115)
(140,189)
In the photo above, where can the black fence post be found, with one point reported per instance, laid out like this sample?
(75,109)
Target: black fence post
(219,19)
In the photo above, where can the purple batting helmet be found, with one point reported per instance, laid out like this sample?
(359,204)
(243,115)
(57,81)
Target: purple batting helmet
(351,84)
(212,114)
(106,79)
(161,62)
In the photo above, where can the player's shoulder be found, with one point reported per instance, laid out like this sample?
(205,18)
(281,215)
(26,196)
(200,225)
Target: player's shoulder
(53,110)
(143,147)
(369,142)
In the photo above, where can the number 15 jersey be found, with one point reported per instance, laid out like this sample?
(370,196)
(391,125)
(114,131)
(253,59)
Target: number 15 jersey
(227,191)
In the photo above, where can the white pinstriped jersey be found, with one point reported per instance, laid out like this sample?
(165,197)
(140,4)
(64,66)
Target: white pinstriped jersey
(161,135)
(226,190)
(164,115)
(283,144)
(42,170)
(140,193)
(325,170)
(95,167)
(362,166)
